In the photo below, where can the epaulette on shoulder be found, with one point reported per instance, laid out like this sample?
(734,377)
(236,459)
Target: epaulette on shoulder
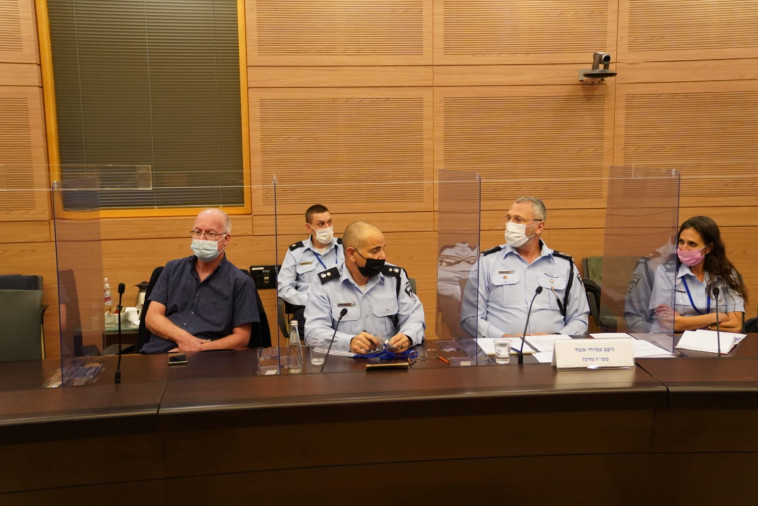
(563,255)
(491,250)
(392,270)
(329,274)
(296,245)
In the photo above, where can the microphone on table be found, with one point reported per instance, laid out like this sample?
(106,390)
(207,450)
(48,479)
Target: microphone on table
(523,335)
(716,292)
(119,310)
(342,315)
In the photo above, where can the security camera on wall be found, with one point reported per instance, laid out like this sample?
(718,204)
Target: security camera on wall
(596,73)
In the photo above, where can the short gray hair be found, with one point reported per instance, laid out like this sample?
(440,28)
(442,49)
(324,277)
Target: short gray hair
(538,206)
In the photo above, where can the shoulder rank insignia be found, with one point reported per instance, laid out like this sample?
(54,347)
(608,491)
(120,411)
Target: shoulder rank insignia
(391,270)
(329,274)
(492,250)
(296,245)
(563,255)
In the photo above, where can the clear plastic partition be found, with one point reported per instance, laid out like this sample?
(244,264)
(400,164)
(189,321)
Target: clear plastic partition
(80,279)
(640,244)
(458,245)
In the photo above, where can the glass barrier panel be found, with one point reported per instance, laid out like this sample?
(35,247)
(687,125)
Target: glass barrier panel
(640,247)
(458,222)
(82,304)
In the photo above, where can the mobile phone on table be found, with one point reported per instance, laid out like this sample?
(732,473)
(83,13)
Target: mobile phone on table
(177,359)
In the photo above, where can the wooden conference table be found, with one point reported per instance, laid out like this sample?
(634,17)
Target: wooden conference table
(669,431)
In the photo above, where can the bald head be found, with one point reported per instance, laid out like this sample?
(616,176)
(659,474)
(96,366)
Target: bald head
(358,233)
(218,217)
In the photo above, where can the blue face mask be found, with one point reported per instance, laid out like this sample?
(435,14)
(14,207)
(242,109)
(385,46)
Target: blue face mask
(205,250)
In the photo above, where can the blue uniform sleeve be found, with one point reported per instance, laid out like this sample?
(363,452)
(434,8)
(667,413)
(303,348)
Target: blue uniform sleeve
(663,287)
(287,281)
(474,304)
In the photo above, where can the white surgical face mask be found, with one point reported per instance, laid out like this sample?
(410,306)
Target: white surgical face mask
(515,234)
(325,235)
(205,250)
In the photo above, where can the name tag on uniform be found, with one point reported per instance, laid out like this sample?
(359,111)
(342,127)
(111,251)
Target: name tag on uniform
(345,304)
(506,272)
(306,263)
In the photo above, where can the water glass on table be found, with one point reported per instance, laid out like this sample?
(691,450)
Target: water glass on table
(502,350)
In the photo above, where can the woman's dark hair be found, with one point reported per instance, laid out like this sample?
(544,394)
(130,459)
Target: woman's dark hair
(716,264)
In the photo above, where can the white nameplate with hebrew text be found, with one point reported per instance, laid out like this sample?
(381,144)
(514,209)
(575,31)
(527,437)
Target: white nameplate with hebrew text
(593,353)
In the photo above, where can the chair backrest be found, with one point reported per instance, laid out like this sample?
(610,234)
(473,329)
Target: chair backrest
(143,335)
(20,282)
(260,333)
(592,289)
(21,332)
(592,268)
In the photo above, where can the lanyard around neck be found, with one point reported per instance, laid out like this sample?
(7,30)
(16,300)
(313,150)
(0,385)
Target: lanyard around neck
(692,303)
(318,257)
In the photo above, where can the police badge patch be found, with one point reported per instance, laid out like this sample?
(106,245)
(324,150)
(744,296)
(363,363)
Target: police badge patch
(633,282)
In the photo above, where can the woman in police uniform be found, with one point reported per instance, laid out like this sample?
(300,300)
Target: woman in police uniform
(700,281)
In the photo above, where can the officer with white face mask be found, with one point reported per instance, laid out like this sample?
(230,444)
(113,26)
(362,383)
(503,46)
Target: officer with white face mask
(304,259)
(509,276)
(202,302)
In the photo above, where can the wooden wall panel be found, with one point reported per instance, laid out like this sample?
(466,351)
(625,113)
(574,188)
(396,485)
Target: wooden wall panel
(347,32)
(705,130)
(661,30)
(18,33)
(522,31)
(351,149)
(552,142)
(24,175)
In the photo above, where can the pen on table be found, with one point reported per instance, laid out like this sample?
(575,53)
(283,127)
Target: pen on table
(443,359)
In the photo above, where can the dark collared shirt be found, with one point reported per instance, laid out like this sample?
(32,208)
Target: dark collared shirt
(207,310)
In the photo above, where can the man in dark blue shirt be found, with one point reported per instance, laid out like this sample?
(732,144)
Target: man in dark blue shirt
(202,302)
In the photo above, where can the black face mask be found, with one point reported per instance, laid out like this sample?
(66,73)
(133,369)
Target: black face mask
(372,268)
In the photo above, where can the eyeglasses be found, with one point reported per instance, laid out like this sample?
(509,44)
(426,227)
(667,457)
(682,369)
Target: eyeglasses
(213,236)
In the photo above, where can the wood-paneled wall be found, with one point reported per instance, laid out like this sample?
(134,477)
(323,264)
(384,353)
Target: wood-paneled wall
(358,104)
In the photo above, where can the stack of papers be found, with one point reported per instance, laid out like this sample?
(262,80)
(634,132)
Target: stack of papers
(706,341)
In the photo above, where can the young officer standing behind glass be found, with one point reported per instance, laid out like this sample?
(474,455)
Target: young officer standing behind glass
(701,266)
(304,259)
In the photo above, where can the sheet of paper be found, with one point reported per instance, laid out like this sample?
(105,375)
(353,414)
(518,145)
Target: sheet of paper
(610,335)
(545,343)
(706,341)
(487,345)
(644,349)
(544,357)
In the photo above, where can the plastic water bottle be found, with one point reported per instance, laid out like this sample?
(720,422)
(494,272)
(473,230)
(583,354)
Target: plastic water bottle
(107,299)
(295,352)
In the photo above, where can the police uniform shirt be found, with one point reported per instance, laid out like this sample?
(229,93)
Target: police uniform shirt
(506,286)
(300,266)
(372,308)
(668,290)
